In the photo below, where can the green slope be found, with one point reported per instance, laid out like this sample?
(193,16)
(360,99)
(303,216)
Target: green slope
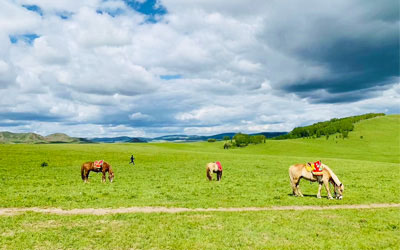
(380,142)
(8,137)
(32,138)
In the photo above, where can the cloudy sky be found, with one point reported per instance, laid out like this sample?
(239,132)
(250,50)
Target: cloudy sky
(154,67)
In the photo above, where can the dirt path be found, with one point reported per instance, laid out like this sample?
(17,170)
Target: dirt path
(105,211)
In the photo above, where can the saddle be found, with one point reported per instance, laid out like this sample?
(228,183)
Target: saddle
(219,165)
(315,167)
(98,164)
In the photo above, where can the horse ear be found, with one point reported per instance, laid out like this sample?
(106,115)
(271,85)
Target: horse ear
(308,163)
(341,184)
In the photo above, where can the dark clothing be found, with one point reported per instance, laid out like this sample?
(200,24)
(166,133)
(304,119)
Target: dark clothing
(132,160)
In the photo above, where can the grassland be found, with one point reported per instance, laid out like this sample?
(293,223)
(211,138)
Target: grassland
(173,175)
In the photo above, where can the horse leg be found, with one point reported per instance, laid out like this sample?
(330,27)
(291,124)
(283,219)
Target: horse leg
(319,190)
(295,186)
(326,183)
(298,189)
(103,177)
(219,175)
(87,176)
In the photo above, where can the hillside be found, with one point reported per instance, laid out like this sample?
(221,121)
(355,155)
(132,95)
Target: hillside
(375,139)
(327,128)
(8,137)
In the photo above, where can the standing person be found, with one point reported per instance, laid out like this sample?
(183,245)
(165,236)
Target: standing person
(132,160)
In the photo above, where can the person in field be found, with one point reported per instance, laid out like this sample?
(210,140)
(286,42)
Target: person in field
(132,160)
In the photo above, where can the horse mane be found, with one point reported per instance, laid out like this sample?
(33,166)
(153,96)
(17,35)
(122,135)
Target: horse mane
(333,175)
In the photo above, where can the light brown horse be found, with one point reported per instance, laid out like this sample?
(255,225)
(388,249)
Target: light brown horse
(89,166)
(214,167)
(299,171)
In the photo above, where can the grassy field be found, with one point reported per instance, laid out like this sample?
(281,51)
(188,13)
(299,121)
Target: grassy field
(173,175)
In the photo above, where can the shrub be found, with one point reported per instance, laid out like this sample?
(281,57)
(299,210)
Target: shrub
(211,140)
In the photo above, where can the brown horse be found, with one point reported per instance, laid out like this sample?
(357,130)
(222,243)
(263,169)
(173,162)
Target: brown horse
(214,167)
(298,171)
(90,166)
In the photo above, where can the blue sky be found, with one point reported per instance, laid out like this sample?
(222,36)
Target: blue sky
(148,68)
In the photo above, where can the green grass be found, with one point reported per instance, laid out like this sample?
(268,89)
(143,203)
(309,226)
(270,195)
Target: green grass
(173,175)
(339,229)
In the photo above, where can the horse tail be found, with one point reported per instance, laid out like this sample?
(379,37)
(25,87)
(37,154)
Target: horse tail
(208,170)
(333,175)
(83,172)
(290,174)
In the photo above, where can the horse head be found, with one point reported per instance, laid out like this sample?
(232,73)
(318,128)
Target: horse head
(339,189)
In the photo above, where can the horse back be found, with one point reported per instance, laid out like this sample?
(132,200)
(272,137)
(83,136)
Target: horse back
(87,165)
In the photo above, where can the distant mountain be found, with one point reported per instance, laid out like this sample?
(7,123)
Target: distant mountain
(190,138)
(8,137)
(111,139)
(137,140)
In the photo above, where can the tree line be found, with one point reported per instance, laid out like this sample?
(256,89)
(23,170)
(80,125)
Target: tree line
(333,126)
(242,140)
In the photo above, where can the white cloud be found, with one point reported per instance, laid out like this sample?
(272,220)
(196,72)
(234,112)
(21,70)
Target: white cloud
(98,74)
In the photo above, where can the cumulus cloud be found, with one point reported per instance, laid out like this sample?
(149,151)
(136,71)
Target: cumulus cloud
(99,68)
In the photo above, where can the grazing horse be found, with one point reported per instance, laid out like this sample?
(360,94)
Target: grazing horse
(91,166)
(298,171)
(214,167)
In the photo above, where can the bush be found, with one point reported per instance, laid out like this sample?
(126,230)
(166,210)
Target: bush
(227,145)
(211,140)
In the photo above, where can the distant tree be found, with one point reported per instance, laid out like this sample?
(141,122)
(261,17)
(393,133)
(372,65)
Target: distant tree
(227,138)
(345,134)
(327,137)
(211,140)
(256,139)
(330,127)
(241,140)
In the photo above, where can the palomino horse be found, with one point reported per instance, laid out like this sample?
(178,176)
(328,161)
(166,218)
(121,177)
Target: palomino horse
(90,166)
(214,167)
(298,171)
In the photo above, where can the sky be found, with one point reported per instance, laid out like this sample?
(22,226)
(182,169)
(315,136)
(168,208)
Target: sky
(96,68)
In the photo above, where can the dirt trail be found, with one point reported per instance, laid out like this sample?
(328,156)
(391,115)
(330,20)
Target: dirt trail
(105,211)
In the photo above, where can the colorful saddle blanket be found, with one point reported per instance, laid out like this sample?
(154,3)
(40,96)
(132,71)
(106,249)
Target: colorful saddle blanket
(219,165)
(317,168)
(98,164)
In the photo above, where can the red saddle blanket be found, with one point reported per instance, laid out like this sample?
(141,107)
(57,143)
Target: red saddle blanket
(98,164)
(317,168)
(219,165)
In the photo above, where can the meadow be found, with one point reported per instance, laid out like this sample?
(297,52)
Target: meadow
(173,175)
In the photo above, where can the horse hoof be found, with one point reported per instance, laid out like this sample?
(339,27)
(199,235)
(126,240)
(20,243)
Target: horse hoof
(330,198)
(319,197)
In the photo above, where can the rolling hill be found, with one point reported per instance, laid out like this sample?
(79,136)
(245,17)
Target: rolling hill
(8,137)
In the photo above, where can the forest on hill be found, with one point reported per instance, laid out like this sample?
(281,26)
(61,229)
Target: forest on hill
(342,126)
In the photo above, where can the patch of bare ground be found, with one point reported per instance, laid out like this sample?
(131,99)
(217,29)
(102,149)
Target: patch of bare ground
(105,211)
